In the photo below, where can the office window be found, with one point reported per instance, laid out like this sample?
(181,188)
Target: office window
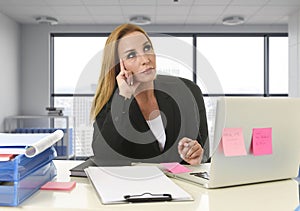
(74,57)
(230,65)
(77,61)
(174,55)
(78,109)
(278,65)
(76,69)
(236,63)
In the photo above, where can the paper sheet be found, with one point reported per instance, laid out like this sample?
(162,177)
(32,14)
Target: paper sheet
(44,143)
(29,144)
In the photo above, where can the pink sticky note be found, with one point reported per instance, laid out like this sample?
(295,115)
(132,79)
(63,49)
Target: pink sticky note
(175,168)
(262,141)
(233,142)
(59,186)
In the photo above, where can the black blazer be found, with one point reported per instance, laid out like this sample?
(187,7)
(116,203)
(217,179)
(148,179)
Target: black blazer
(121,132)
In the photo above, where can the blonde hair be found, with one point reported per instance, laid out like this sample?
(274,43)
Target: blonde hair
(110,67)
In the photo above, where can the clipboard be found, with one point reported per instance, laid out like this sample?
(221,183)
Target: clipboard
(148,197)
(134,184)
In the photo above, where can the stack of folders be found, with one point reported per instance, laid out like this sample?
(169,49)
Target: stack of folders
(26,165)
(134,184)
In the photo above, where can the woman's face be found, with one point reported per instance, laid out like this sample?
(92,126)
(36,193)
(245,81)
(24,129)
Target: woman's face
(138,56)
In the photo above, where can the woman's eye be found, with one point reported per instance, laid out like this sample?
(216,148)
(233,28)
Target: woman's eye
(147,48)
(131,55)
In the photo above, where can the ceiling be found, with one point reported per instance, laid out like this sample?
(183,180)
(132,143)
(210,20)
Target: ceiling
(184,12)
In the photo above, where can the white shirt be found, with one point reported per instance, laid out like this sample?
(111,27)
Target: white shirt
(157,128)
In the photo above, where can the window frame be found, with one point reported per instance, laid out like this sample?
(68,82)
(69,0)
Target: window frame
(266,53)
(194,36)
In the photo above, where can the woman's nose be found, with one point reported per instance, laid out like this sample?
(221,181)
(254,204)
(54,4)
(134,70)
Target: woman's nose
(144,58)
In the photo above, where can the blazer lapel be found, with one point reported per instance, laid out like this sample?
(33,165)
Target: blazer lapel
(139,123)
(170,116)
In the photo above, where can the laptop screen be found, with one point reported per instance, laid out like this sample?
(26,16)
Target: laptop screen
(281,115)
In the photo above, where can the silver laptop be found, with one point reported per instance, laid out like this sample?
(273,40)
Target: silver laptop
(281,114)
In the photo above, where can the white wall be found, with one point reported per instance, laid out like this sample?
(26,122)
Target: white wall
(9,68)
(35,54)
(294,54)
(35,76)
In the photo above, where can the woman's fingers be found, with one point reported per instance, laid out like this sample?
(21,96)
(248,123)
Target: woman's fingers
(189,148)
(125,74)
(122,66)
(190,151)
(193,151)
(126,83)
(129,78)
(183,145)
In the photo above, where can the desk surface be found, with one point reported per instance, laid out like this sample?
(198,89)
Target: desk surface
(280,195)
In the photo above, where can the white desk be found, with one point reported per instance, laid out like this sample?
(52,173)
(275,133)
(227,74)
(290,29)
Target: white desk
(280,195)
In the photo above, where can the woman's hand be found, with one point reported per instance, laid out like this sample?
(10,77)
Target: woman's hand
(125,81)
(190,151)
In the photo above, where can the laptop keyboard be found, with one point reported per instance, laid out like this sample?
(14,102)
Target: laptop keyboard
(203,175)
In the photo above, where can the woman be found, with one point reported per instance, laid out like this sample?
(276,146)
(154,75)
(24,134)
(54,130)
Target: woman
(140,116)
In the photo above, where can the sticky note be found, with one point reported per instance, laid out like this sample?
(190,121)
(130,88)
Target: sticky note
(67,186)
(175,168)
(233,142)
(261,141)
(6,157)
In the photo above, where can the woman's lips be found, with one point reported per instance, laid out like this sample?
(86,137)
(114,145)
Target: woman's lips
(146,71)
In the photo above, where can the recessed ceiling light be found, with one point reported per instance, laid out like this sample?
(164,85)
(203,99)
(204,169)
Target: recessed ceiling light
(140,20)
(233,20)
(46,20)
